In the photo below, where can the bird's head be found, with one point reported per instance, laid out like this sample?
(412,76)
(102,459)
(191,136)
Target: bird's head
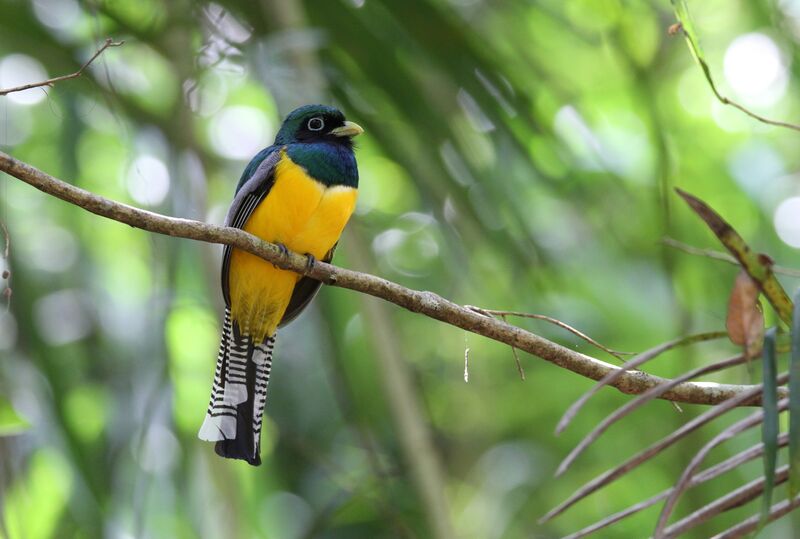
(317,123)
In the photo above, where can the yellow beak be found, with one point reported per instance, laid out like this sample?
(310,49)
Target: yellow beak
(349,129)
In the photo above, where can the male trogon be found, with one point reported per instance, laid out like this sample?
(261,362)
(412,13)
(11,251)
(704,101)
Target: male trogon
(298,193)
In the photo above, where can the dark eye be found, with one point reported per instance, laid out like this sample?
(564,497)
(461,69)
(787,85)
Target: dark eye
(316,124)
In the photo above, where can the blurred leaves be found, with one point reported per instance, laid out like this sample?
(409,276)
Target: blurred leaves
(43,491)
(11,422)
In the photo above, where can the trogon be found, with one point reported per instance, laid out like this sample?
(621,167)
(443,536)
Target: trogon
(298,193)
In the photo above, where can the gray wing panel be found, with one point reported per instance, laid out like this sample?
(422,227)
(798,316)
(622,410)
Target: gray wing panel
(244,203)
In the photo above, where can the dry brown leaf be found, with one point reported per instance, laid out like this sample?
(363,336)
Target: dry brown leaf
(745,322)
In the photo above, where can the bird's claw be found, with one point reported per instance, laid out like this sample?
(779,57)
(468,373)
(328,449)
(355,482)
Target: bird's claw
(284,251)
(311,261)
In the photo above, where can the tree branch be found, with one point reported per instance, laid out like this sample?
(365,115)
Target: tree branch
(49,82)
(423,302)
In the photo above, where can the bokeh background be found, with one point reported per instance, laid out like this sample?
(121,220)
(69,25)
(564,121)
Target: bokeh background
(518,155)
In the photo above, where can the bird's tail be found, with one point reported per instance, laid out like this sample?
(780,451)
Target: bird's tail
(235,411)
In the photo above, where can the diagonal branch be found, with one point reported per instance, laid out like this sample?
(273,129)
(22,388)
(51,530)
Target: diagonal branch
(640,401)
(49,82)
(423,302)
(645,356)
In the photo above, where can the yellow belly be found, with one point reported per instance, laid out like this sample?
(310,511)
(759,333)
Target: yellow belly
(305,216)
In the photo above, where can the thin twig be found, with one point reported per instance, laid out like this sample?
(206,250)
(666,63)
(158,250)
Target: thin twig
(503,314)
(611,475)
(520,370)
(706,475)
(719,255)
(569,415)
(49,82)
(640,401)
(698,55)
(426,303)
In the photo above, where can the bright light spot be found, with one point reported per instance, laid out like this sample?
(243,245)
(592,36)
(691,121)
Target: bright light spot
(18,70)
(206,95)
(693,92)
(787,221)
(148,180)
(570,126)
(57,14)
(755,69)
(354,329)
(755,165)
(52,249)
(159,451)
(412,247)
(285,515)
(449,210)
(476,116)
(16,125)
(240,132)
(625,150)
(731,120)
(791,13)
(127,70)
(61,317)
(228,26)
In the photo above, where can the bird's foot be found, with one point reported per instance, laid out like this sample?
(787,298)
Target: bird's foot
(311,261)
(284,251)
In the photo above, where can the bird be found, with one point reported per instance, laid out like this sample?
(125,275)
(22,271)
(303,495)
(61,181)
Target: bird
(299,194)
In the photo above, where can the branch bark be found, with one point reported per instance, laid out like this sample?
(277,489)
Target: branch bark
(423,302)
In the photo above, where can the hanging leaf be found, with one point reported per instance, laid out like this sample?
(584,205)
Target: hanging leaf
(10,422)
(758,266)
(769,428)
(745,321)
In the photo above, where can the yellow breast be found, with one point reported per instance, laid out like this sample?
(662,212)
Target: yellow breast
(304,215)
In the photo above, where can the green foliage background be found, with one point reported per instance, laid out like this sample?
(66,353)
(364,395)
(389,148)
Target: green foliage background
(518,155)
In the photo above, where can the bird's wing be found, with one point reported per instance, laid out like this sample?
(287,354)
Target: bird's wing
(304,291)
(247,198)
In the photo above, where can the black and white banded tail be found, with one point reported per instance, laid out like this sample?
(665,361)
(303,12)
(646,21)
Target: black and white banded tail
(236,409)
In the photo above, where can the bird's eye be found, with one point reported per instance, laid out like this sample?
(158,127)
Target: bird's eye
(316,124)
